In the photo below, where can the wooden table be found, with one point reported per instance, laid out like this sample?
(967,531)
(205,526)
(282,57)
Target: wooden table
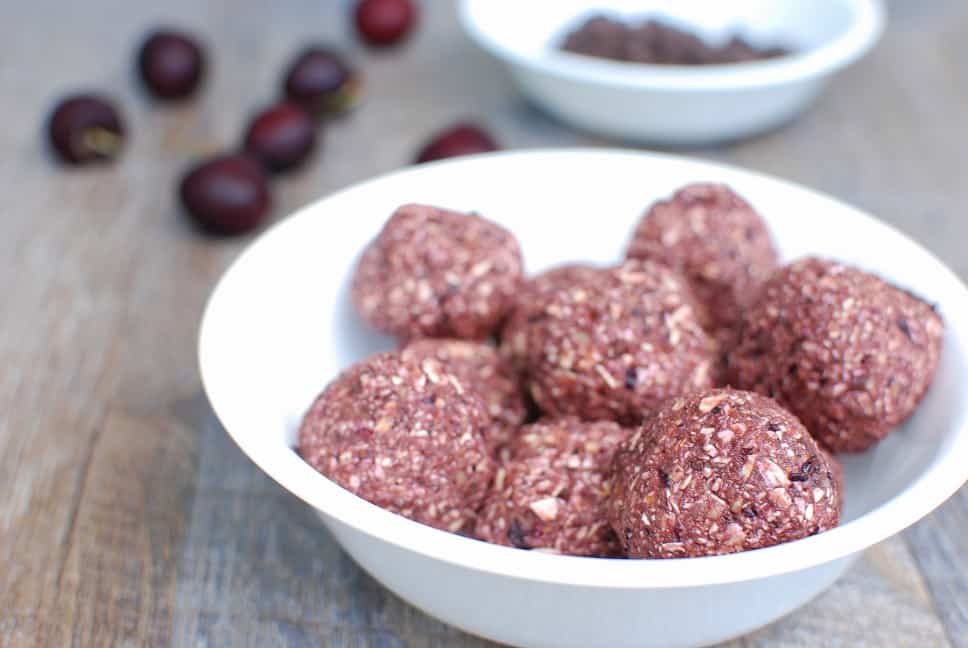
(128,518)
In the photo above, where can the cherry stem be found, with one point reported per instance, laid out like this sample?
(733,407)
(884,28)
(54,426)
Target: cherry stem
(101,141)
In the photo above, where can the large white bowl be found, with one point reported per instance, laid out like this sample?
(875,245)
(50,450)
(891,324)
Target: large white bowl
(279,326)
(672,104)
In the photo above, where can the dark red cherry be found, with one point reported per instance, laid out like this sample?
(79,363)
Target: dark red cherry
(226,195)
(281,136)
(381,23)
(86,128)
(171,64)
(321,82)
(460,139)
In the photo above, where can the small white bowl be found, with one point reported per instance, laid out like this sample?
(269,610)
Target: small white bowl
(279,326)
(673,104)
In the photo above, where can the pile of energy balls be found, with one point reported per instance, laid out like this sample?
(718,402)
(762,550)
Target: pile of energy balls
(686,402)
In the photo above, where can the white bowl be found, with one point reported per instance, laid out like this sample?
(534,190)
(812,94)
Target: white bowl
(672,104)
(279,326)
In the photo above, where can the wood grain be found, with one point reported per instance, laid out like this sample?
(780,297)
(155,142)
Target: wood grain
(117,583)
(938,544)
(128,517)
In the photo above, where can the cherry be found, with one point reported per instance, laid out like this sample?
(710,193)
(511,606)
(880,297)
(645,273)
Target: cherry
(461,139)
(171,64)
(384,22)
(321,82)
(227,194)
(86,128)
(281,136)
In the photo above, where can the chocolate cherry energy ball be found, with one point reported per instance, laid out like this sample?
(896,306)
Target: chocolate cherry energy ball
(481,370)
(616,344)
(716,240)
(404,435)
(432,272)
(528,304)
(717,472)
(848,353)
(551,494)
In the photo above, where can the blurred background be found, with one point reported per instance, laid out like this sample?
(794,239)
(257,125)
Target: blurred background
(129,518)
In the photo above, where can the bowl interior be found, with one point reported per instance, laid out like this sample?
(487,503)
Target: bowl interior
(280,326)
(536,29)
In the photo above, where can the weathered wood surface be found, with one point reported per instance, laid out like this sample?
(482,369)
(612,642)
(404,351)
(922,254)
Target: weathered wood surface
(128,518)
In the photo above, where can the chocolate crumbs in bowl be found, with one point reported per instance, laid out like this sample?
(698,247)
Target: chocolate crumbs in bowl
(656,42)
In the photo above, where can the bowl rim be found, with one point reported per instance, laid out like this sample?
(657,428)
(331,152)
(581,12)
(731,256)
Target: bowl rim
(863,33)
(943,477)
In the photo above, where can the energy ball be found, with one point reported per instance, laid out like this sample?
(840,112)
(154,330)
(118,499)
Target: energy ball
(404,435)
(551,494)
(529,303)
(848,353)
(432,272)
(616,344)
(717,241)
(717,472)
(481,370)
